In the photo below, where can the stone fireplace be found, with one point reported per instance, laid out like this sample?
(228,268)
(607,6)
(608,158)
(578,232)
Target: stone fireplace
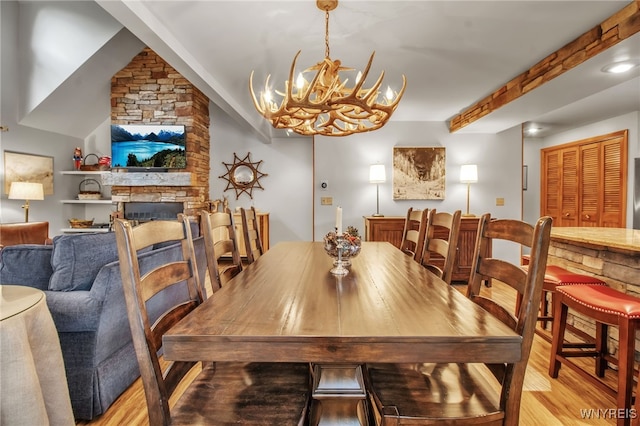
(150,91)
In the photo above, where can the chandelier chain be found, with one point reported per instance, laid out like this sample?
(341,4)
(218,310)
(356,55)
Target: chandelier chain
(326,34)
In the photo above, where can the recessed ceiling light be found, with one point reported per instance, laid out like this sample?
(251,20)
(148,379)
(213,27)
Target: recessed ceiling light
(620,67)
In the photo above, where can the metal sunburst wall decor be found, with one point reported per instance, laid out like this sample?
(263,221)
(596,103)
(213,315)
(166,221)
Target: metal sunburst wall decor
(243,175)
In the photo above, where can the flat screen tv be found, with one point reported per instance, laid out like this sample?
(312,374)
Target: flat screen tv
(148,147)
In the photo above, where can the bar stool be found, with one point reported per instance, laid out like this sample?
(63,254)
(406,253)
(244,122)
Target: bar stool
(606,306)
(554,277)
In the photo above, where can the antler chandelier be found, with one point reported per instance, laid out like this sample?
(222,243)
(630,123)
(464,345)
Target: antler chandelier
(325,105)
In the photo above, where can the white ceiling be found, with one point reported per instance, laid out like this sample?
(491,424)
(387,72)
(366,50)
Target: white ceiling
(453,53)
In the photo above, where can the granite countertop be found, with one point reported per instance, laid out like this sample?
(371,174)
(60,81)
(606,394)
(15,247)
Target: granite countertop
(613,238)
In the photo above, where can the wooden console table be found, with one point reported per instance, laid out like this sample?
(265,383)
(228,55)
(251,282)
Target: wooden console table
(390,228)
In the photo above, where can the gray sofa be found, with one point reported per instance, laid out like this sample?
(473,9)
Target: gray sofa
(80,276)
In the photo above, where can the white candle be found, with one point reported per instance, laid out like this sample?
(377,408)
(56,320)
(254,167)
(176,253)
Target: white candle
(339,220)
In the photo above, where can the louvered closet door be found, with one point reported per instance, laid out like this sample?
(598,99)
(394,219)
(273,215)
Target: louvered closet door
(584,183)
(591,187)
(569,194)
(551,185)
(614,172)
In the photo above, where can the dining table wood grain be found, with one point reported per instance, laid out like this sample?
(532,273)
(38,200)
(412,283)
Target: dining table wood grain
(288,307)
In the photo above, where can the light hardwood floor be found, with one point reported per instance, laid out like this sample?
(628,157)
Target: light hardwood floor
(545,401)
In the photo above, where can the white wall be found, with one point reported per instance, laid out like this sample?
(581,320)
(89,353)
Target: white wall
(630,121)
(29,140)
(288,163)
(345,161)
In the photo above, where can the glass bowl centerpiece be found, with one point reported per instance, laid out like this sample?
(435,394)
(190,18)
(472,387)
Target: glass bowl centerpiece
(350,242)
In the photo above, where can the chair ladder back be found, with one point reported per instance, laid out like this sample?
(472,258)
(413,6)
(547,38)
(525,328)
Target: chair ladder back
(528,284)
(251,234)
(415,226)
(445,247)
(139,287)
(220,240)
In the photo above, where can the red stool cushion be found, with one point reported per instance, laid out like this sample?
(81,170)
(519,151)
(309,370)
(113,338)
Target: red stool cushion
(560,276)
(556,275)
(604,299)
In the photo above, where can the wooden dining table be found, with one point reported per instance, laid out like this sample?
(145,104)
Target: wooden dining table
(288,307)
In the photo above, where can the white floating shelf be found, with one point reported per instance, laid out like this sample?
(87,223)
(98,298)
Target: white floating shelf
(147,179)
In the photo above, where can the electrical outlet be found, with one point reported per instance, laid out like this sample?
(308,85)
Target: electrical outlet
(499,201)
(326,201)
(324,185)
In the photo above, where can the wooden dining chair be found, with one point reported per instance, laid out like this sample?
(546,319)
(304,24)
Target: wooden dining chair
(461,394)
(441,243)
(251,234)
(220,241)
(222,392)
(415,226)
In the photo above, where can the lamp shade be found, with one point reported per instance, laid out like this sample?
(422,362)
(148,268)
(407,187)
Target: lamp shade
(26,191)
(377,173)
(469,173)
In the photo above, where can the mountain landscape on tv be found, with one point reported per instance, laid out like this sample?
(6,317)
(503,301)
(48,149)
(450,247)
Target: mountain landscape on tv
(148,146)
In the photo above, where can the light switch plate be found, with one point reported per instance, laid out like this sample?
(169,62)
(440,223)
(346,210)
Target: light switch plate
(326,201)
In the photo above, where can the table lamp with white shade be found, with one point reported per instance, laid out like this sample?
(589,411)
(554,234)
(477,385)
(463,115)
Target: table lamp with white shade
(377,175)
(468,175)
(26,191)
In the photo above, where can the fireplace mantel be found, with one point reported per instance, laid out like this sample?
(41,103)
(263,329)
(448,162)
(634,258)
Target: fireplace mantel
(147,179)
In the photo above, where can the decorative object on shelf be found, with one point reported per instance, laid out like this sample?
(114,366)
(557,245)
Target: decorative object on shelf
(81,223)
(26,191)
(77,158)
(419,173)
(102,164)
(243,175)
(342,247)
(468,175)
(325,105)
(377,175)
(87,194)
(19,167)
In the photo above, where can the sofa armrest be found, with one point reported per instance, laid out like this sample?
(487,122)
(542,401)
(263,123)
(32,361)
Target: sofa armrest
(74,311)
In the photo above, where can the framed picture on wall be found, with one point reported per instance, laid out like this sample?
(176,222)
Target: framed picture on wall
(418,173)
(19,167)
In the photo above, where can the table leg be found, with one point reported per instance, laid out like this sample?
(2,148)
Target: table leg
(339,395)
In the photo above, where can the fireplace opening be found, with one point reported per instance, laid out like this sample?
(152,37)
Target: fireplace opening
(145,212)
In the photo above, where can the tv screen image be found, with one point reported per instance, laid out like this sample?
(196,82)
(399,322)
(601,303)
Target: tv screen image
(148,146)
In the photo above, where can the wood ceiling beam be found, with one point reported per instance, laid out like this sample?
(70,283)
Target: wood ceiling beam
(620,26)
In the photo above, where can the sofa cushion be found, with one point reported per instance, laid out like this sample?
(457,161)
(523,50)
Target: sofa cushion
(26,264)
(77,259)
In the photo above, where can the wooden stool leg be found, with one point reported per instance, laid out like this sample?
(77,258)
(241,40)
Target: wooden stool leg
(559,327)
(602,337)
(627,332)
(544,308)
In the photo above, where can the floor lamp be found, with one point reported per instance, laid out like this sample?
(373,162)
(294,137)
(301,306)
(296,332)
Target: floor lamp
(468,175)
(377,175)
(26,191)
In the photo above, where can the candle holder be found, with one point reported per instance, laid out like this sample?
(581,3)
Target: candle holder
(339,268)
(342,247)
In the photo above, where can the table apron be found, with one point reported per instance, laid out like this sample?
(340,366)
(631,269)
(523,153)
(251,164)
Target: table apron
(198,350)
